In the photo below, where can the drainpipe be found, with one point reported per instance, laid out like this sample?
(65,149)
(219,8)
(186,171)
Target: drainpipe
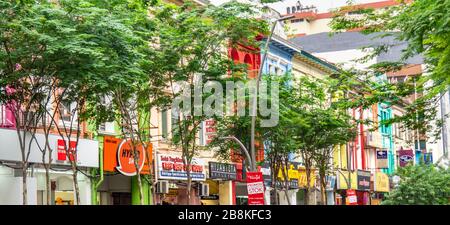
(99,182)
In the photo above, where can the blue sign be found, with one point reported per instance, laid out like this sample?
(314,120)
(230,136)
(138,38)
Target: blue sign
(382,154)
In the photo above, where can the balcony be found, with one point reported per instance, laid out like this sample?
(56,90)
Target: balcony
(373,139)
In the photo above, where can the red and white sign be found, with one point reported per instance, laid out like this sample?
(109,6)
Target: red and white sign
(171,167)
(255,188)
(61,147)
(210,131)
(351,197)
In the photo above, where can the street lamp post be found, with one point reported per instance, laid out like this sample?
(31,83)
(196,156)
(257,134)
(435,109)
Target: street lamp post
(255,97)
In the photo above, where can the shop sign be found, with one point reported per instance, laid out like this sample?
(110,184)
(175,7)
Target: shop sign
(351,197)
(342,178)
(118,156)
(210,130)
(83,151)
(293,184)
(255,188)
(267,175)
(405,157)
(331,181)
(382,159)
(302,179)
(61,148)
(171,167)
(173,192)
(363,180)
(210,197)
(381,182)
(223,171)
(126,157)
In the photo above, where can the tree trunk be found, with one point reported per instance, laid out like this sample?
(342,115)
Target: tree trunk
(286,183)
(189,184)
(308,182)
(75,183)
(136,165)
(24,184)
(323,197)
(48,184)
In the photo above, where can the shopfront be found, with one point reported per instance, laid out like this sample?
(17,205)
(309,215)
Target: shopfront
(363,191)
(120,184)
(83,151)
(221,180)
(170,168)
(346,184)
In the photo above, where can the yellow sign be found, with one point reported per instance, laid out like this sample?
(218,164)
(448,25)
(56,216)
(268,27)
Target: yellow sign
(292,173)
(343,177)
(302,181)
(381,182)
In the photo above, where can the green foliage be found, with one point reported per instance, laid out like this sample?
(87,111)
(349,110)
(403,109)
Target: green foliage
(424,25)
(421,185)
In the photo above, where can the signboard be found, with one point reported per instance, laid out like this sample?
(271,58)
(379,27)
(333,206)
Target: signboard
(61,148)
(118,156)
(86,149)
(224,171)
(210,130)
(302,179)
(255,188)
(381,182)
(125,158)
(351,197)
(171,167)
(382,159)
(331,182)
(343,177)
(363,180)
(267,174)
(405,157)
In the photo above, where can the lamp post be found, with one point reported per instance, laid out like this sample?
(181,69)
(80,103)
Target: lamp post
(255,97)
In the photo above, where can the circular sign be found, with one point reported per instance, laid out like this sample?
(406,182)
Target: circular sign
(125,158)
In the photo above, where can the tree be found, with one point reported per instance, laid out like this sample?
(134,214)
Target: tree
(125,74)
(38,44)
(421,185)
(318,125)
(192,42)
(423,24)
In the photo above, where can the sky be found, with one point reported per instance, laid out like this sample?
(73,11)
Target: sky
(322,5)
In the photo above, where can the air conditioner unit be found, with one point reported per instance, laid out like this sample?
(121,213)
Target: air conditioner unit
(203,189)
(162,187)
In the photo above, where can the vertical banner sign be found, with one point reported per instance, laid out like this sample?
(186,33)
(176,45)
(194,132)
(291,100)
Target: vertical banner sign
(382,159)
(210,131)
(405,157)
(351,197)
(61,148)
(255,188)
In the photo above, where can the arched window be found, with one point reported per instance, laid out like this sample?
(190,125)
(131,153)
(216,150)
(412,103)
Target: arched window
(235,55)
(293,9)
(249,62)
(288,10)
